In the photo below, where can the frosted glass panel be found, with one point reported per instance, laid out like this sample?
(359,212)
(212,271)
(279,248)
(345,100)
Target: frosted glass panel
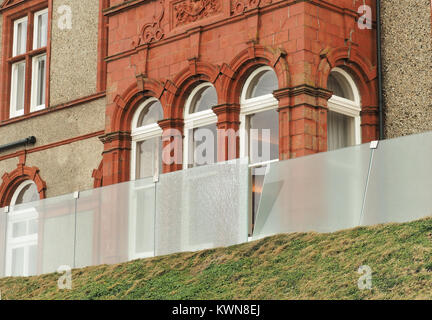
(115,224)
(322,193)
(203,207)
(400,186)
(40,236)
(142,220)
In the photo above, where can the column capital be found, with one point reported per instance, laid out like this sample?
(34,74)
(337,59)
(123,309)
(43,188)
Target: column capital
(225,108)
(115,136)
(171,124)
(309,90)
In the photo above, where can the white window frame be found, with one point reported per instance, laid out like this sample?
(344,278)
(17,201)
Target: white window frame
(195,120)
(249,107)
(15,36)
(350,108)
(140,134)
(13,101)
(143,133)
(33,100)
(36,27)
(252,106)
(16,216)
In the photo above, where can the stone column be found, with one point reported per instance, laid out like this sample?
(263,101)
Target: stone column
(172,142)
(302,120)
(116,157)
(228,125)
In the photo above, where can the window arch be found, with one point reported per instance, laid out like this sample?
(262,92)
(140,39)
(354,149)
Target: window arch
(259,128)
(147,140)
(26,192)
(343,118)
(200,127)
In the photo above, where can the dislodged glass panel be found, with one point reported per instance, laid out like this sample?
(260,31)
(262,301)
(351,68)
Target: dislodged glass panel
(203,207)
(400,183)
(322,193)
(115,224)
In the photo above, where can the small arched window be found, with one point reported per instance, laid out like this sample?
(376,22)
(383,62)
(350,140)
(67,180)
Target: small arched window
(200,127)
(146,140)
(343,119)
(259,128)
(26,192)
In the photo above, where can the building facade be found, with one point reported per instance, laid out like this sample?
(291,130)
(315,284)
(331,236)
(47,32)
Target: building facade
(107,86)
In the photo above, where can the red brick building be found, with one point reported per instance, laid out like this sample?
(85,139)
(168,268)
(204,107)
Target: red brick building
(164,49)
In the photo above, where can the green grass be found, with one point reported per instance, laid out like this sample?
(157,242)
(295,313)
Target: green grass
(294,266)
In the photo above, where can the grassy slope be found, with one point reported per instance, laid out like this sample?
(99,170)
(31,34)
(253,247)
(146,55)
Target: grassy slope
(296,266)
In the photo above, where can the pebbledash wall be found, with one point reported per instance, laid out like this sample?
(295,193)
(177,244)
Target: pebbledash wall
(407,66)
(119,53)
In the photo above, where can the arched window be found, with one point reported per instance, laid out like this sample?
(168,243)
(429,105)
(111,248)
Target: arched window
(22,232)
(259,128)
(146,140)
(259,117)
(26,192)
(343,119)
(200,127)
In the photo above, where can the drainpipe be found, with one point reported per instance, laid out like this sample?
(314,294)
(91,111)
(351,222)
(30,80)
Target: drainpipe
(380,76)
(19,143)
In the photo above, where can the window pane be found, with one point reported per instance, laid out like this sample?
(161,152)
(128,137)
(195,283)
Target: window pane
(263,84)
(340,86)
(19,229)
(32,260)
(18,262)
(20,38)
(33,227)
(41,30)
(17,88)
(264,136)
(149,158)
(39,77)
(339,131)
(28,194)
(203,146)
(151,114)
(205,99)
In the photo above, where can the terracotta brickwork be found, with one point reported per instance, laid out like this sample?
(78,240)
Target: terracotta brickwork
(163,49)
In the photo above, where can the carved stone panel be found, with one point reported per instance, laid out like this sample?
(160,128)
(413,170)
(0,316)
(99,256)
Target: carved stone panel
(152,31)
(188,11)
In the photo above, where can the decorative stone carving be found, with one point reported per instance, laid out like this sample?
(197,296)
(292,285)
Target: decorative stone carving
(240,6)
(152,32)
(188,11)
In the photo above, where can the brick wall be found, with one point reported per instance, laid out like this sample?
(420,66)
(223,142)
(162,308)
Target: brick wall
(159,49)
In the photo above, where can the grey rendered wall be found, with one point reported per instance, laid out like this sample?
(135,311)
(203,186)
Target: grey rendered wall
(74,52)
(407,66)
(65,168)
